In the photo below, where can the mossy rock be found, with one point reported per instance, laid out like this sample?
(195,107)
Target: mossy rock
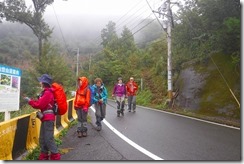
(205,87)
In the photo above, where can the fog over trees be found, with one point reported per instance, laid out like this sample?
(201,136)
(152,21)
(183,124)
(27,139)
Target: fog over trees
(87,30)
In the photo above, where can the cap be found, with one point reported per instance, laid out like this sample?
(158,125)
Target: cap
(45,78)
(120,78)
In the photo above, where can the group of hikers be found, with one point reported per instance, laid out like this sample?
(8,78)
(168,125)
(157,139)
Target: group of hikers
(85,96)
(97,95)
(123,91)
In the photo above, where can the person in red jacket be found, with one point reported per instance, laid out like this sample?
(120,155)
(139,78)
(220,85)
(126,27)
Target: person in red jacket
(45,103)
(81,104)
(131,88)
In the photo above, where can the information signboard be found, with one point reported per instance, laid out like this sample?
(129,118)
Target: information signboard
(9,88)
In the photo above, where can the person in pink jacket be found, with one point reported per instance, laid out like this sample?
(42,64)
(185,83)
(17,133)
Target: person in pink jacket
(45,103)
(119,92)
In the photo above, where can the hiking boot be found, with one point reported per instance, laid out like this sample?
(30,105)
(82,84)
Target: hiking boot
(118,113)
(55,156)
(84,134)
(79,134)
(99,128)
(43,156)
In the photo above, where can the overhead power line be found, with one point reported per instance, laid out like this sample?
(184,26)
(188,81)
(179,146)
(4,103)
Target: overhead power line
(122,20)
(155,15)
(130,21)
(60,29)
(128,11)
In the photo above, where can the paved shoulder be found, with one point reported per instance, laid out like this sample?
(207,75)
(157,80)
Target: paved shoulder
(92,147)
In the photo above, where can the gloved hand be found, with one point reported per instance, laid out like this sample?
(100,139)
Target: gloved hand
(27,99)
(85,109)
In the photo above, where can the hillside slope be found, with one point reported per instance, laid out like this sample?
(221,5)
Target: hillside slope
(205,89)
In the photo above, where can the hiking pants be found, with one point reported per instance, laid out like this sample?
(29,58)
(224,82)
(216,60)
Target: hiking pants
(82,120)
(46,140)
(120,103)
(100,112)
(132,102)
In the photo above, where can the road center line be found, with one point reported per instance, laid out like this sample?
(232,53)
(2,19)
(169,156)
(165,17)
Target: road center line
(141,149)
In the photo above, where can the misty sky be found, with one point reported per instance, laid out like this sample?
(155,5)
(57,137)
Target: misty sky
(99,8)
(92,16)
(97,12)
(84,19)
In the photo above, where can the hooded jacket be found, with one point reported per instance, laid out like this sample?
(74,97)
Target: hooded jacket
(82,97)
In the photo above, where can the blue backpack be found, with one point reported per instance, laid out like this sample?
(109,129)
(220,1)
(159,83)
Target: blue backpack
(91,95)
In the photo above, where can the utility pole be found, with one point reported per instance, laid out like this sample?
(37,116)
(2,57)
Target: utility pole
(165,11)
(90,59)
(169,62)
(77,67)
(77,64)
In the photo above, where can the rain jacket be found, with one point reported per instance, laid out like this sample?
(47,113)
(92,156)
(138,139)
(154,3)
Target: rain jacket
(82,96)
(100,93)
(131,88)
(45,102)
(119,90)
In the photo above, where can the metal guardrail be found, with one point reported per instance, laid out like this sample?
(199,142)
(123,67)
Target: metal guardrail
(20,134)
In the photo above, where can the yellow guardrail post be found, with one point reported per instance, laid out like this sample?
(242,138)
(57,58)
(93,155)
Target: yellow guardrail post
(7,133)
(74,115)
(33,132)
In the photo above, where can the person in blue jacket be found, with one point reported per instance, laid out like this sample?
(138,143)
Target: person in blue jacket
(99,97)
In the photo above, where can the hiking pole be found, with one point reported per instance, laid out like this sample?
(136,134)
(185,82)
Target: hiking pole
(126,103)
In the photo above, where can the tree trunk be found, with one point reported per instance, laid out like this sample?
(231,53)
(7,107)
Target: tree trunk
(40,47)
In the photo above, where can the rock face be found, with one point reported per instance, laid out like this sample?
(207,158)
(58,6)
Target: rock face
(190,84)
(203,90)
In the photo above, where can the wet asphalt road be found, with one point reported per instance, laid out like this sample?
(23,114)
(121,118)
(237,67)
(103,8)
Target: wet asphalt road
(164,135)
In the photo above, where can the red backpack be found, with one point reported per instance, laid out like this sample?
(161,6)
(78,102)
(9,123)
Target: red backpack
(61,105)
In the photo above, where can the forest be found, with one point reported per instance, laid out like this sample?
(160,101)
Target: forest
(204,31)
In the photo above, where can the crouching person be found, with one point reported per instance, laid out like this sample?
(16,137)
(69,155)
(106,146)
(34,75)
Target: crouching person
(45,103)
(81,104)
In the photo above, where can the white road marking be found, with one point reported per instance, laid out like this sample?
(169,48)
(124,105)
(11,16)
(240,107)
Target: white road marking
(141,149)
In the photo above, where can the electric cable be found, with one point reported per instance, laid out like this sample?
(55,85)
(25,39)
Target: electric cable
(154,14)
(119,26)
(65,44)
(225,81)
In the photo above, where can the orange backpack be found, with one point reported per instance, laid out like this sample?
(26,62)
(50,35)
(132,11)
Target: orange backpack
(61,105)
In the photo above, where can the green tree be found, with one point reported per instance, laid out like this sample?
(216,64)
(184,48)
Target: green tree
(127,43)
(17,11)
(207,26)
(51,63)
(109,36)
